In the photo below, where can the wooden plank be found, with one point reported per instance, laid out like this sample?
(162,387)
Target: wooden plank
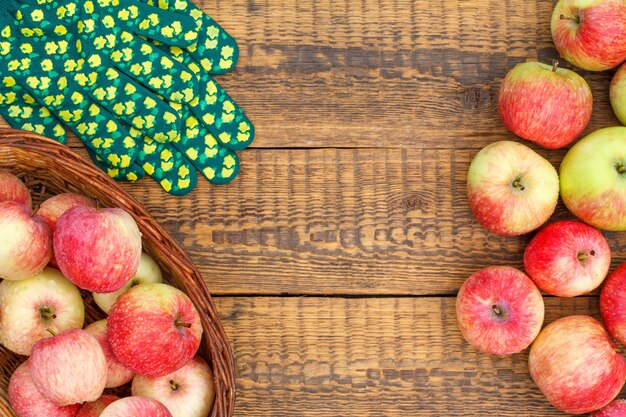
(374,357)
(331,221)
(405,73)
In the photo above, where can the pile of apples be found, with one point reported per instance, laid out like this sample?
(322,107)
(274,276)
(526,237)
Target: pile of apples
(150,338)
(512,190)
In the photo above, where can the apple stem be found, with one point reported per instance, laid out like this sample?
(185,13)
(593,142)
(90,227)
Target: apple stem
(572,18)
(621,169)
(178,323)
(555,65)
(52,332)
(584,255)
(518,184)
(496,310)
(173,385)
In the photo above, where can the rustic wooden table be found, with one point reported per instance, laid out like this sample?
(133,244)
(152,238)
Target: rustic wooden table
(336,255)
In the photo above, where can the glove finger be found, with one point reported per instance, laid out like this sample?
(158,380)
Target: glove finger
(131,174)
(220,114)
(218,164)
(21,111)
(153,68)
(215,49)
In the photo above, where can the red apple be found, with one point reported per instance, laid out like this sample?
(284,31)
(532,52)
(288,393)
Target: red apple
(590,34)
(567,258)
(25,242)
(95,408)
(69,368)
(512,190)
(97,249)
(13,189)
(499,310)
(27,401)
(545,104)
(154,329)
(136,407)
(616,408)
(577,365)
(187,392)
(51,209)
(117,374)
(33,307)
(613,304)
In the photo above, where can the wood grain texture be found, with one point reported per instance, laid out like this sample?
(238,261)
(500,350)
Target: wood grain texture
(374,357)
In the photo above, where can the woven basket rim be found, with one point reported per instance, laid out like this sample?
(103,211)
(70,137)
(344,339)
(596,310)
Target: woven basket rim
(47,153)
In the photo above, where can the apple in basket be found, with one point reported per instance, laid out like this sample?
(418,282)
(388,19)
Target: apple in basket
(13,189)
(54,207)
(27,401)
(512,190)
(97,249)
(117,374)
(25,242)
(136,407)
(154,329)
(187,392)
(95,408)
(616,408)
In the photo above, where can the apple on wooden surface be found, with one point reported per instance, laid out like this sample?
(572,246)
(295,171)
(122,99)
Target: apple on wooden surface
(617,94)
(616,408)
(27,401)
(512,190)
(590,34)
(499,310)
(567,258)
(187,392)
(593,179)
(148,272)
(613,304)
(117,374)
(31,308)
(576,365)
(97,249)
(154,329)
(69,368)
(95,408)
(54,207)
(25,242)
(13,189)
(136,407)
(545,104)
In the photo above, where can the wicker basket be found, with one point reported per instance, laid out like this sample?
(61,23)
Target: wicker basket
(50,168)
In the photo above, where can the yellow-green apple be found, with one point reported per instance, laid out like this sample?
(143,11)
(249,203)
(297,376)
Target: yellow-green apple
(567,258)
(51,209)
(136,407)
(576,365)
(545,104)
(499,310)
(95,408)
(97,249)
(154,329)
(69,368)
(512,190)
(616,408)
(590,34)
(27,401)
(13,189)
(25,242)
(33,307)
(187,392)
(613,303)
(117,374)
(593,179)
(617,94)
(148,272)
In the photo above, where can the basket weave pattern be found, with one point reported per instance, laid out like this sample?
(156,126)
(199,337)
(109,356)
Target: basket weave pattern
(50,168)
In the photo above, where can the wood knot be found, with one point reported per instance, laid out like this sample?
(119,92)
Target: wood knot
(472,98)
(411,201)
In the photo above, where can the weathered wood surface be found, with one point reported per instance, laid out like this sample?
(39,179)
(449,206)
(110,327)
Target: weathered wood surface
(368,114)
(374,357)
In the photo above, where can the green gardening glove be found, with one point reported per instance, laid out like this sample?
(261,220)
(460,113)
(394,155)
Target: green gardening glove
(215,50)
